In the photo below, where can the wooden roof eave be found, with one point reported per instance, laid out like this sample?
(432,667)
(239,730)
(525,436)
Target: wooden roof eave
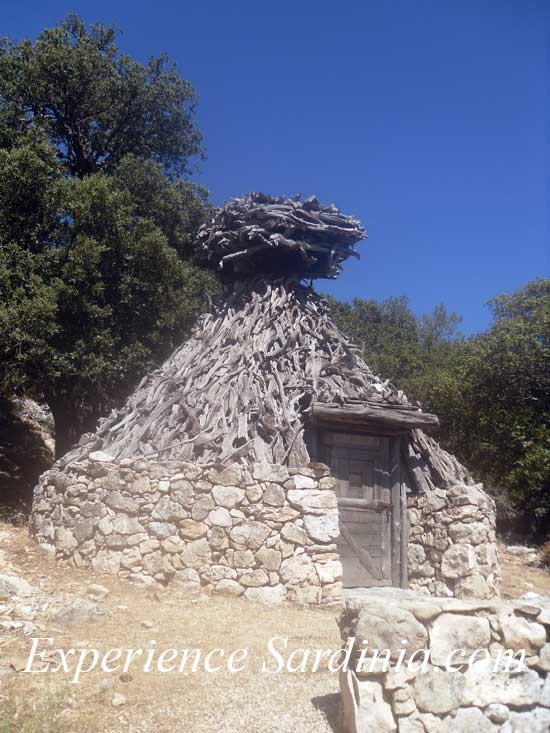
(371,415)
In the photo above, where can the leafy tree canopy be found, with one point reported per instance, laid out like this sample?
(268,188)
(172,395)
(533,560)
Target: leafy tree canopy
(96,104)
(96,228)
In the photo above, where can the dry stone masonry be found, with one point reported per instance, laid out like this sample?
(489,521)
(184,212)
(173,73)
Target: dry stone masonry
(452,543)
(469,694)
(264,531)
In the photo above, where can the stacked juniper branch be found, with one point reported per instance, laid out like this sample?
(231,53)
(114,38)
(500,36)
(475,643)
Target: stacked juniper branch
(260,233)
(242,387)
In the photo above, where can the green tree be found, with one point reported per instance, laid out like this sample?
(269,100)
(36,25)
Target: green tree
(495,399)
(96,228)
(394,342)
(97,104)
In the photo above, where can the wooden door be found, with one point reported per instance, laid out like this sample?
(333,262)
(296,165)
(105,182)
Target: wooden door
(369,497)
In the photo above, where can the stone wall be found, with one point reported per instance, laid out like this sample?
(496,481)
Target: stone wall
(452,543)
(457,694)
(263,531)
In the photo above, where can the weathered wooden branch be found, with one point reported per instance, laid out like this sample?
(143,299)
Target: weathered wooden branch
(262,234)
(365,414)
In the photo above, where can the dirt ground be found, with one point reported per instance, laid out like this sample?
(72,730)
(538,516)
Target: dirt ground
(189,701)
(197,702)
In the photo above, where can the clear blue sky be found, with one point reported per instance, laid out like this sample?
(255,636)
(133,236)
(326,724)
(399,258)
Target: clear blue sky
(427,119)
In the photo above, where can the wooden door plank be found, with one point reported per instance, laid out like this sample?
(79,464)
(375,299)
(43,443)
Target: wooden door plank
(395,480)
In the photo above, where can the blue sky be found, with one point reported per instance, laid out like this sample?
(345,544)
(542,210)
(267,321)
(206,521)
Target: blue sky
(426,119)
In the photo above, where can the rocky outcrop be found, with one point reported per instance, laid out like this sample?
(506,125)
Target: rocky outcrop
(448,670)
(26,449)
(262,531)
(452,543)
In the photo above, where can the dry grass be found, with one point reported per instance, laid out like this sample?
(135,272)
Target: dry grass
(198,702)
(194,701)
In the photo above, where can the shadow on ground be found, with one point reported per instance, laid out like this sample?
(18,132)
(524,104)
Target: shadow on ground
(329,705)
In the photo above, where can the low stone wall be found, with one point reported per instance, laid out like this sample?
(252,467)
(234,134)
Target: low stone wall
(452,543)
(263,532)
(453,691)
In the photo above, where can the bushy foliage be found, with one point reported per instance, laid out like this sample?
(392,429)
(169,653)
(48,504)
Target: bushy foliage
(96,280)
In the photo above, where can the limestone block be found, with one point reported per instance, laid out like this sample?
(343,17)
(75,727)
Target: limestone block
(100,457)
(244,559)
(270,472)
(270,595)
(473,586)
(168,509)
(308,595)
(403,702)
(215,573)
(228,587)
(410,725)
(274,495)
(388,626)
(220,517)
(322,529)
(294,534)
(304,482)
(192,530)
(173,544)
(148,546)
(130,558)
(251,534)
(331,594)
(269,558)
(217,538)
(452,631)
(497,713)
(254,579)
(202,507)
(519,633)
(254,493)
(364,707)
(120,503)
(84,530)
(544,658)
(473,533)
(467,720)
(105,526)
(438,691)
(484,686)
(532,721)
(459,560)
(141,485)
(196,554)
(227,496)
(330,571)
(231,476)
(313,501)
(328,483)
(296,570)
(65,540)
(125,525)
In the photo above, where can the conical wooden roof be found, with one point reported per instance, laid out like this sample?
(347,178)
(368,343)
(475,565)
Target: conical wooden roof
(247,384)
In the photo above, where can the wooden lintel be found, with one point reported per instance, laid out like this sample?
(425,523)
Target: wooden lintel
(394,417)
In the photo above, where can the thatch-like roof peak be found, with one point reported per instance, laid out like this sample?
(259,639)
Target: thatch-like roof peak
(262,234)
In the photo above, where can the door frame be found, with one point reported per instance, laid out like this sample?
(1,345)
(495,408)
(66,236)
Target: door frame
(399,535)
